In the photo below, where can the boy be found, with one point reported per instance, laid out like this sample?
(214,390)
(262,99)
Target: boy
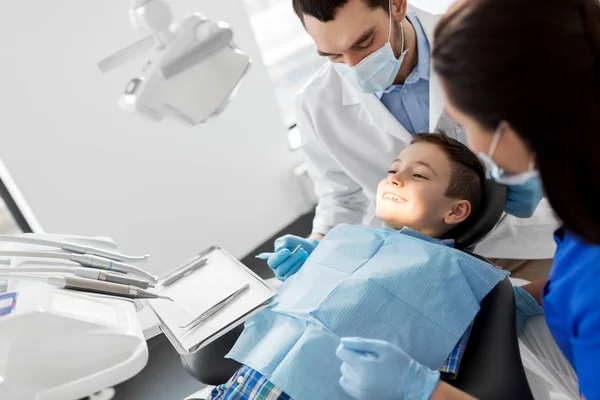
(400,283)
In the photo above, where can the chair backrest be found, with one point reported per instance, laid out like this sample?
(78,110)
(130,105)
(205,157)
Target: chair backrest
(491,367)
(479,225)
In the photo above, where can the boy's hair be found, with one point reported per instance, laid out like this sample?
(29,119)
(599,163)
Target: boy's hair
(467,177)
(324,10)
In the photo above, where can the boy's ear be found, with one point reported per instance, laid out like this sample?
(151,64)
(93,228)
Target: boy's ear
(459,212)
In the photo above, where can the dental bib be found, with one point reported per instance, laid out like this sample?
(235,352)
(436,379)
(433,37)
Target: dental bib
(400,286)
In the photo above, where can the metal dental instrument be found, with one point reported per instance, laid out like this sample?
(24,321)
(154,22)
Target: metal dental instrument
(85,260)
(89,285)
(265,256)
(81,272)
(216,308)
(296,249)
(73,248)
(183,271)
(115,289)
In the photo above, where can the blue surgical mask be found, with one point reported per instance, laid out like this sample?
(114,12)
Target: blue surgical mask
(376,72)
(497,173)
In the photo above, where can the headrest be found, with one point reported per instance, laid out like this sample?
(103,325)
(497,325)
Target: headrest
(471,232)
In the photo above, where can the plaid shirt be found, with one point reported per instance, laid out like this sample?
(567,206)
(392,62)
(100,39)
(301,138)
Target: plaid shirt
(248,384)
(450,368)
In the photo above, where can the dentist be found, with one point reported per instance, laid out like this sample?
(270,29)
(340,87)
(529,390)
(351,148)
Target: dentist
(361,108)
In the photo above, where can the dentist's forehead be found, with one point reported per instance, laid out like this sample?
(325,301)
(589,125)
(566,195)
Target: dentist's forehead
(351,22)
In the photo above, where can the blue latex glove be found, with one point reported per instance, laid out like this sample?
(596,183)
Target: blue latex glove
(285,264)
(290,242)
(527,307)
(524,198)
(374,369)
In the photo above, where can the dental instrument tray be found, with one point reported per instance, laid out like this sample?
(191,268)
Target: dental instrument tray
(212,294)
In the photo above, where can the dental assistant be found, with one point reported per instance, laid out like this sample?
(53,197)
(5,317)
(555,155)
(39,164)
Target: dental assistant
(361,109)
(527,91)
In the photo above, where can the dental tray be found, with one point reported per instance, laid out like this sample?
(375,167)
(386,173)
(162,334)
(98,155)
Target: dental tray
(199,289)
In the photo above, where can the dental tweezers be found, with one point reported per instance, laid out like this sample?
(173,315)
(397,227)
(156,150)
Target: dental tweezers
(185,270)
(216,308)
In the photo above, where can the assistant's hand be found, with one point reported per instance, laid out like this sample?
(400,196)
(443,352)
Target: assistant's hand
(285,264)
(524,198)
(374,369)
(527,307)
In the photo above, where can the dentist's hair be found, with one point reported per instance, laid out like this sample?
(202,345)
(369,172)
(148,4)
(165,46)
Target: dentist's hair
(536,65)
(324,10)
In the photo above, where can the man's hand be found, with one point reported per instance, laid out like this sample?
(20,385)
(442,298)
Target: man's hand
(290,254)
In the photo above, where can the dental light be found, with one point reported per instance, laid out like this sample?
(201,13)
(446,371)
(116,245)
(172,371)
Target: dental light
(193,69)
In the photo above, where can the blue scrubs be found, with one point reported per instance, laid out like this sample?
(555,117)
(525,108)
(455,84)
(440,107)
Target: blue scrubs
(572,308)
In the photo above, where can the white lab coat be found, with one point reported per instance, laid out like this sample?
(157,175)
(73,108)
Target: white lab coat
(350,139)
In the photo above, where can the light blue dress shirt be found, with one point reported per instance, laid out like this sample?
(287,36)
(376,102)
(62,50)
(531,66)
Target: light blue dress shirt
(409,103)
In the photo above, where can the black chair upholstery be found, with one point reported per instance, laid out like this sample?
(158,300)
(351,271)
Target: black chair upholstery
(209,365)
(491,367)
(479,225)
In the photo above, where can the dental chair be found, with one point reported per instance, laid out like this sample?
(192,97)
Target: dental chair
(491,367)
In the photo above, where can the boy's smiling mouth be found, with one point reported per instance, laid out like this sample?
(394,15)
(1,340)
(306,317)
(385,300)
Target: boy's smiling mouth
(393,197)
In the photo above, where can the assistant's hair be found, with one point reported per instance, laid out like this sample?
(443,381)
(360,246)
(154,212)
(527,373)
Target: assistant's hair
(324,10)
(467,177)
(536,65)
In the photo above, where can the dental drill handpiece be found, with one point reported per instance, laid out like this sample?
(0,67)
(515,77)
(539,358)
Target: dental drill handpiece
(86,260)
(110,265)
(82,272)
(114,289)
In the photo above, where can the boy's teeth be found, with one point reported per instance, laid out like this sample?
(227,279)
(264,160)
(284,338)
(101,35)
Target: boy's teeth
(392,197)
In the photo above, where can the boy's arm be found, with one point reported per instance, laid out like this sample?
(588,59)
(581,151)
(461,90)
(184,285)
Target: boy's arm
(447,392)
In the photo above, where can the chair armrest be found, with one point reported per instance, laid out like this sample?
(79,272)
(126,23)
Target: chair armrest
(209,365)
